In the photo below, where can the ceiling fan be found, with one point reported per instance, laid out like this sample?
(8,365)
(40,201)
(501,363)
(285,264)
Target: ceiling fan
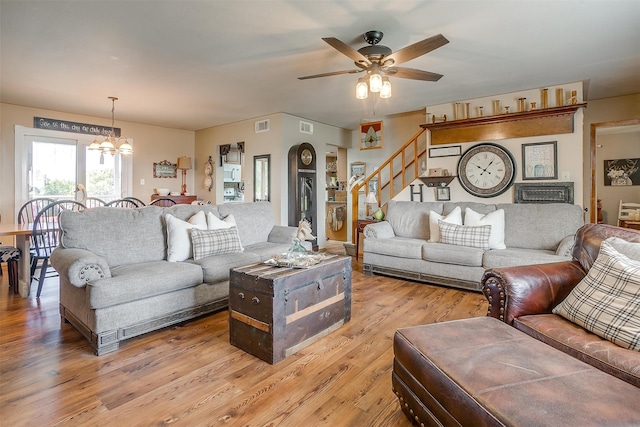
(378,60)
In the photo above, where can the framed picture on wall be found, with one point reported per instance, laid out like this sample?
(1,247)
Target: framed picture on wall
(540,161)
(358,169)
(622,172)
(371,136)
(443,194)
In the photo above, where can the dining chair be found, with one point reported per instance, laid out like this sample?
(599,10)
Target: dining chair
(122,203)
(29,210)
(163,202)
(139,202)
(94,202)
(46,235)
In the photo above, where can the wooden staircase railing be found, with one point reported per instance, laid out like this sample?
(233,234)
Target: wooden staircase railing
(402,166)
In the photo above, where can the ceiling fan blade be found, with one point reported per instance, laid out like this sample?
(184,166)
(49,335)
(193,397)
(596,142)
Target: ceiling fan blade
(412,73)
(334,73)
(347,50)
(417,49)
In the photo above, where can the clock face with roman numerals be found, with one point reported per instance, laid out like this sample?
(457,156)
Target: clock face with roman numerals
(486,170)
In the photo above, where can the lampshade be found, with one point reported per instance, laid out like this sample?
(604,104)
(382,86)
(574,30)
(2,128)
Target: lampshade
(385,91)
(109,145)
(184,162)
(371,198)
(375,82)
(362,90)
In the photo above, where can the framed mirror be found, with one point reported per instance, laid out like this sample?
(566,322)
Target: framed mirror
(262,178)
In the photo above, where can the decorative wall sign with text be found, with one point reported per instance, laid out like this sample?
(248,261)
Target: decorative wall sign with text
(74,127)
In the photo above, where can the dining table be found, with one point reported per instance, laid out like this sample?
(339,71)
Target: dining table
(21,232)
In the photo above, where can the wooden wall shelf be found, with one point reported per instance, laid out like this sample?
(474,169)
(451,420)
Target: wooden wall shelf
(436,181)
(548,121)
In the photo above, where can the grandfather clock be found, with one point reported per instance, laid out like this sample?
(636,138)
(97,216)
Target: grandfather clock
(302,187)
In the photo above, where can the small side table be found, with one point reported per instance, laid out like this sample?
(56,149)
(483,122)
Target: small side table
(360,225)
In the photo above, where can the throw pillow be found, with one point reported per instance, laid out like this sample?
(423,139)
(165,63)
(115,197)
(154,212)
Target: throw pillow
(178,238)
(495,219)
(565,248)
(465,235)
(215,242)
(628,249)
(454,217)
(607,300)
(215,223)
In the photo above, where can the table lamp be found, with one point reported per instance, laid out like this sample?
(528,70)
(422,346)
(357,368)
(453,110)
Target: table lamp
(184,163)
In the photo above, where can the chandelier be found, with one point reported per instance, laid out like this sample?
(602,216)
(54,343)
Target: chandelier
(110,144)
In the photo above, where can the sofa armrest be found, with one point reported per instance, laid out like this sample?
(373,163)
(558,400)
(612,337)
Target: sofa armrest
(379,230)
(282,234)
(79,266)
(529,289)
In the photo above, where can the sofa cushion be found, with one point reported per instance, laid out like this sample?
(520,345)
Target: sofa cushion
(179,246)
(483,208)
(464,235)
(401,247)
(453,217)
(607,301)
(539,226)
(254,220)
(105,231)
(216,268)
(142,280)
(411,219)
(574,340)
(513,257)
(266,250)
(495,219)
(452,254)
(215,242)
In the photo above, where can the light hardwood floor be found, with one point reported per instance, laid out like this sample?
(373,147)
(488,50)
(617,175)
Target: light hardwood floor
(189,374)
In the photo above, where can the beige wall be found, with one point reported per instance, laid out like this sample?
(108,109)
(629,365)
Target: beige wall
(283,134)
(151,144)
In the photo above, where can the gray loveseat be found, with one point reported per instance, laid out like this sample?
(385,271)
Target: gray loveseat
(533,234)
(116,281)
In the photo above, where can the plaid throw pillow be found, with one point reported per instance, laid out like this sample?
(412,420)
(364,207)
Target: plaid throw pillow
(607,301)
(464,235)
(215,242)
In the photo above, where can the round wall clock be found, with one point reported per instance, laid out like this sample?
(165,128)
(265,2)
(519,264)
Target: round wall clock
(306,156)
(486,170)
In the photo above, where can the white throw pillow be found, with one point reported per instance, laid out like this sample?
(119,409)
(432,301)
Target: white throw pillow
(179,235)
(454,217)
(607,300)
(495,219)
(215,223)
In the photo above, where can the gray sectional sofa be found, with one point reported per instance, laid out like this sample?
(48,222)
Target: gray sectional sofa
(115,278)
(533,234)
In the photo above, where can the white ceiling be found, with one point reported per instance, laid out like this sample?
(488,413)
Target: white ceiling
(196,64)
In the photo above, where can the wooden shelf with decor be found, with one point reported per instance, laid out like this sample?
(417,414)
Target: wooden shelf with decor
(548,121)
(436,181)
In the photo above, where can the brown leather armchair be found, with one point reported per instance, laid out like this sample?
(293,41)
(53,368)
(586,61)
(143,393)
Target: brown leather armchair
(524,297)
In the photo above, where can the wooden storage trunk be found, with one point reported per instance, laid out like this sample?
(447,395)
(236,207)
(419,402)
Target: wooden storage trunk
(275,311)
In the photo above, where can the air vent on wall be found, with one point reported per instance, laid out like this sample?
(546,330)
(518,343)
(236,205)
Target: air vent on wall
(306,127)
(262,126)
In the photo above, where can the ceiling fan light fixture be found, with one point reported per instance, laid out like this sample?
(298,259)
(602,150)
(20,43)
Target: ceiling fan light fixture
(375,82)
(385,90)
(362,90)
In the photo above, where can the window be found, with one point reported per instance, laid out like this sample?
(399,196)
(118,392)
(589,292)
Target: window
(52,164)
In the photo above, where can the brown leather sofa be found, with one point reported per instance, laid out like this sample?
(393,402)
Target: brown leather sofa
(524,296)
